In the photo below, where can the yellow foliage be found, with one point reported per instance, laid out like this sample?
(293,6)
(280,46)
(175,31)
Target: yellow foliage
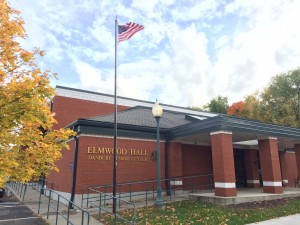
(29,146)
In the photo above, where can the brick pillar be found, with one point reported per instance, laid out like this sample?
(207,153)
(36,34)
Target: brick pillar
(284,172)
(270,167)
(297,152)
(251,161)
(223,163)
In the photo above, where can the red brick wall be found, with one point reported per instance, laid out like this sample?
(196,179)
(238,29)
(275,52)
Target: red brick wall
(196,160)
(63,178)
(175,159)
(97,172)
(69,110)
(251,164)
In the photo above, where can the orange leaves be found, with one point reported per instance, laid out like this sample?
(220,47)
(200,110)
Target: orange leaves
(26,56)
(236,109)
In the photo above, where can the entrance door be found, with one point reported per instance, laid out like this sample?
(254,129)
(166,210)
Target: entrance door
(240,168)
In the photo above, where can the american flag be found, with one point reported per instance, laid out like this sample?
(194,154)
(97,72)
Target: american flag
(126,31)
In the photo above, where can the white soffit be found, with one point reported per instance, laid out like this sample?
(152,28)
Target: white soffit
(250,142)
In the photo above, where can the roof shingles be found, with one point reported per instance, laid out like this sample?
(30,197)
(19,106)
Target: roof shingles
(142,116)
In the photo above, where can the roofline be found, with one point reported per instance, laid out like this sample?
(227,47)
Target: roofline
(99,93)
(225,123)
(138,100)
(88,126)
(149,108)
(229,123)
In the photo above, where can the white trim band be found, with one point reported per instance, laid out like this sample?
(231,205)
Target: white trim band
(252,181)
(272,183)
(285,181)
(266,138)
(224,185)
(176,182)
(220,132)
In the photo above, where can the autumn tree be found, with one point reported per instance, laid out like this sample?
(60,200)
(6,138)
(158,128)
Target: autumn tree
(280,101)
(252,106)
(248,108)
(237,109)
(218,105)
(28,144)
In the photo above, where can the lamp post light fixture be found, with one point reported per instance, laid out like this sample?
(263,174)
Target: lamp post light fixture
(157,112)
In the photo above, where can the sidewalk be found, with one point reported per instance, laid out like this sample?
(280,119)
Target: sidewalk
(12,211)
(287,220)
(31,200)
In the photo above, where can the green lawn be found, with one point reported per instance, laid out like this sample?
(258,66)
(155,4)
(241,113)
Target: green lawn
(190,212)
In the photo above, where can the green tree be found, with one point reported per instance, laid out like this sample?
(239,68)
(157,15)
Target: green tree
(280,101)
(196,108)
(252,106)
(218,105)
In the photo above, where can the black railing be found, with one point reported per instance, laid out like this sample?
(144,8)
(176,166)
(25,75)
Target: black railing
(103,202)
(146,190)
(53,201)
(40,184)
(19,188)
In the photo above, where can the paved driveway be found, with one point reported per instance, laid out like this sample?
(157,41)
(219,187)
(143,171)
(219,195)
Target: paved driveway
(12,212)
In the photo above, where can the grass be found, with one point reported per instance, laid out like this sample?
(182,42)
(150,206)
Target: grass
(191,212)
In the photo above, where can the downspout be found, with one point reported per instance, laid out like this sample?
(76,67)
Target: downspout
(74,173)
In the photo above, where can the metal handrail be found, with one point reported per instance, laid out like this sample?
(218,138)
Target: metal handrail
(101,207)
(41,183)
(53,195)
(19,188)
(148,188)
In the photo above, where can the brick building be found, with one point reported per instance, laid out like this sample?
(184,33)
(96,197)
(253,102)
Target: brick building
(238,152)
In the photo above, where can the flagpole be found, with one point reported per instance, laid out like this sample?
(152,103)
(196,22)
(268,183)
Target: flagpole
(115,120)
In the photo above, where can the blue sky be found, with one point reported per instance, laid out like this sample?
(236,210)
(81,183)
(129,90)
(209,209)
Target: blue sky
(188,53)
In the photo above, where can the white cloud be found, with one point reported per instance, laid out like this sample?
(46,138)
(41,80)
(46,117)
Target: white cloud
(267,48)
(91,78)
(186,55)
(197,10)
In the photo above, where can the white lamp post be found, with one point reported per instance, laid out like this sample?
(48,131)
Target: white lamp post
(157,112)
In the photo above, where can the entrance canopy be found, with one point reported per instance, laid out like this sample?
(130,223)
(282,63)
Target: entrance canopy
(245,132)
(188,128)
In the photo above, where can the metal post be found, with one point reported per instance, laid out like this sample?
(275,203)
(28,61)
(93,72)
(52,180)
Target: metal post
(42,179)
(115,123)
(159,202)
(57,210)
(74,176)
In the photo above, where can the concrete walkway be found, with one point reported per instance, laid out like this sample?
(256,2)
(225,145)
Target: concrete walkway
(287,220)
(31,200)
(12,211)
